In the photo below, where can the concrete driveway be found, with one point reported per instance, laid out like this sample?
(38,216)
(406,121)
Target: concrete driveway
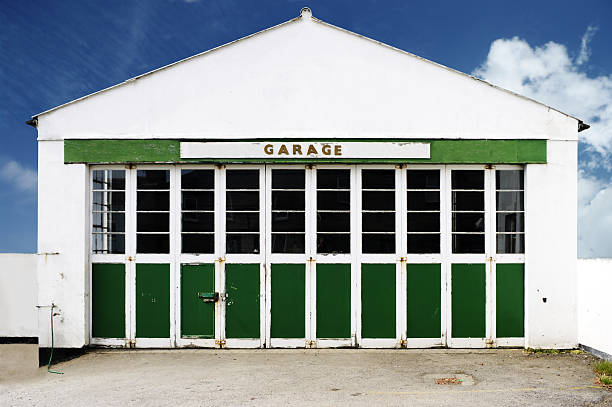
(308,377)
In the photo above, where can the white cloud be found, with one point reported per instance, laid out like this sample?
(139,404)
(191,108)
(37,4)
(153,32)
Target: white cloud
(24,179)
(550,75)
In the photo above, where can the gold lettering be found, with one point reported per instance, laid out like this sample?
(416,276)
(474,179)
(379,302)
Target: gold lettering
(269,149)
(297,149)
(311,150)
(283,150)
(326,149)
(338,149)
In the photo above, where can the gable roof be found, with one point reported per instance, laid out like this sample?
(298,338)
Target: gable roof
(305,13)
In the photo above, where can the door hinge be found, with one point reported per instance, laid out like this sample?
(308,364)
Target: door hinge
(403,343)
(311,344)
(220,343)
(130,343)
(489,343)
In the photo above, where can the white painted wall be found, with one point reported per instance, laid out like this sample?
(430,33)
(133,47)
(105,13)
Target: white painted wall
(308,79)
(18,295)
(62,223)
(551,248)
(595,304)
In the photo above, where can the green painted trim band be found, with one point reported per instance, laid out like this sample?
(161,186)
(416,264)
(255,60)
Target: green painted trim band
(442,152)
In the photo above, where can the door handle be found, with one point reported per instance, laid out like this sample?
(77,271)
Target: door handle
(208,297)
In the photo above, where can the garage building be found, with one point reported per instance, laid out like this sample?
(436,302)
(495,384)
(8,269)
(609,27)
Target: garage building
(306,186)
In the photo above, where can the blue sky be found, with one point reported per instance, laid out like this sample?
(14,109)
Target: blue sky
(52,52)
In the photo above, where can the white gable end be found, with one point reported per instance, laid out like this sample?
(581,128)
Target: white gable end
(305,78)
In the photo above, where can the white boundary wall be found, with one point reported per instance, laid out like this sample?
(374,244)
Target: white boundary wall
(595,304)
(18,295)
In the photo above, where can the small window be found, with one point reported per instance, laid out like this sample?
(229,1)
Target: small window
(333,211)
(378,211)
(108,211)
(153,211)
(242,211)
(468,211)
(197,211)
(510,211)
(423,216)
(288,211)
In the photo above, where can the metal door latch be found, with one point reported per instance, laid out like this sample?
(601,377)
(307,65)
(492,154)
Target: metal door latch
(208,297)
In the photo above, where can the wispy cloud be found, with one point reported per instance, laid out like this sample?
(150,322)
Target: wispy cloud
(550,75)
(22,178)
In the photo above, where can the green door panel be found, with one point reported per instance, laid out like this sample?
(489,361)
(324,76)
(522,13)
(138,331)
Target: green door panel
(510,300)
(424,301)
(197,316)
(242,303)
(333,301)
(468,300)
(152,300)
(288,305)
(108,301)
(378,301)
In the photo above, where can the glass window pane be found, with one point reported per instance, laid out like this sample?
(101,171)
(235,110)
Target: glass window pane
(198,221)
(423,201)
(378,179)
(108,222)
(288,243)
(158,243)
(109,179)
(288,179)
(509,201)
(333,221)
(510,243)
(108,243)
(198,200)
(333,179)
(242,243)
(511,222)
(153,201)
(378,221)
(378,200)
(108,201)
(423,179)
(468,222)
(509,179)
(333,243)
(425,243)
(288,222)
(468,243)
(468,201)
(288,200)
(467,179)
(195,243)
(242,179)
(153,222)
(423,221)
(242,200)
(332,200)
(197,179)
(153,179)
(242,221)
(377,243)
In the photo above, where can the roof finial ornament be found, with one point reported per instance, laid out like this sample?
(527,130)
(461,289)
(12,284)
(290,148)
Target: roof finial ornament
(306,12)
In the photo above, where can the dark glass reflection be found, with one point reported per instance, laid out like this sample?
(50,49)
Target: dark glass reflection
(242,179)
(242,243)
(423,221)
(509,201)
(468,201)
(467,179)
(197,243)
(423,201)
(333,179)
(509,179)
(152,243)
(197,179)
(242,200)
(242,221)
(109,179)
(198,200)
(288,222)
(153,222)
(288,200)
(378,221)
(153,201)
(198,222)
(510,222)
(332,200)
(378,243)
(288,179)
(333,221)
(288,243)
(510,243)
(378,200)
(468,222)
(105,243)
(423,179)
(153,179)
(423,243)
(333,243)
(468,243)
(378,179)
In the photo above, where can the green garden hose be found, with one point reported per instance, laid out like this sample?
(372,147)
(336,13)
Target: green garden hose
(51,355)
